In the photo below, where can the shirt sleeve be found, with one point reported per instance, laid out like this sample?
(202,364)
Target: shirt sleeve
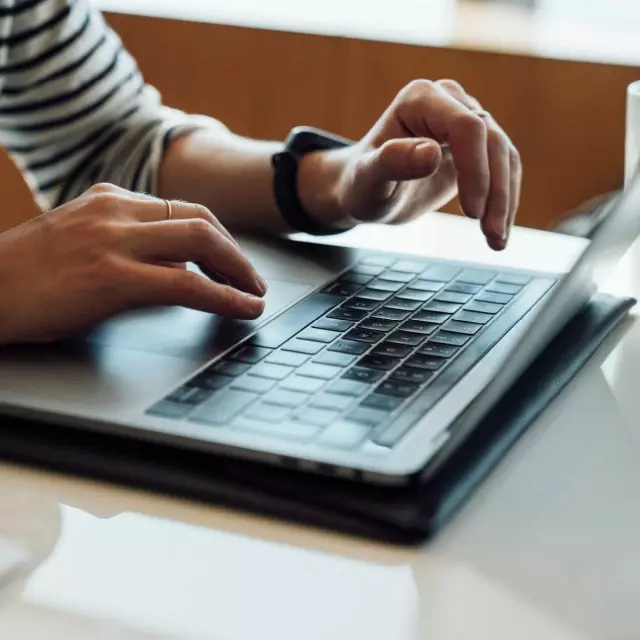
(74,108)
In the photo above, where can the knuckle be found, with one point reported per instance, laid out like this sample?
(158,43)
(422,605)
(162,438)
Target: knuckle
(451,85)
(469,124)
(102,187)
(417,89)
(107,269)
(200,229)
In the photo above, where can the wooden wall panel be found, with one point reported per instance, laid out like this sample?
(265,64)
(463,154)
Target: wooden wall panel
(567,118)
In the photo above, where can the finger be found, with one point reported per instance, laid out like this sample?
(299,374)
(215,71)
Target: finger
(427,109)
(402,159)
(157,210)
(515,174)
(496,219)
(157,285)
(194,241)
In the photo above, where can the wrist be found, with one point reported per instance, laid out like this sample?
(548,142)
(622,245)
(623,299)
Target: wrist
(320,187)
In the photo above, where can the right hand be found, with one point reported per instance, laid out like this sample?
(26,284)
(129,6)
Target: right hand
(111,250)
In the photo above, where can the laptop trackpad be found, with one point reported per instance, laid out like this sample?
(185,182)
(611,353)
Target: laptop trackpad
(187,334)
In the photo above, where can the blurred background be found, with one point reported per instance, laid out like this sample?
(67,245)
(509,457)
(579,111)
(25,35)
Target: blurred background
(553,72)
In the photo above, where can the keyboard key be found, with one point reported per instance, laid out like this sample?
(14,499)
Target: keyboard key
(451,296)
(484,307)
(412,374)
(375,294)
(415,294)
(440,273)
(464,287)
(331,401)
(344,289)
(253,384)
(349,346)
(417,326)
(223,406)
(367,416)
(476,276)
(383,363)
(322,371)
(345,387)
(396,315)
(468,328)
(410,266)
(167,409)
(386,285)
(441,307)
(453,339)
(333,324)
(267,412)
(365,335)
(378,324)
(317,417)
(250,354)
(303,346)
(367,270)
(344,313)
(229,368)
(403,303)
(508,278)
(334,358)
(318,335)
(285,326)
(392,349)
(397,388)
(405,337)
(497,298)
(431,316)
(211,381)
(344,435)
(378,260)
(356,278)
(439,350)
(397,276)
(470,316)
(427,285)
(362,304)
(286,430)
(193,396)
(285,398)
(288,358)
(499,287)
(384,403)
(302,384)
(420,361)
(364,375)
(271,371)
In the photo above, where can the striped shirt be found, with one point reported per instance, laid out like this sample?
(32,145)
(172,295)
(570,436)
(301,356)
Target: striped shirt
(74,108)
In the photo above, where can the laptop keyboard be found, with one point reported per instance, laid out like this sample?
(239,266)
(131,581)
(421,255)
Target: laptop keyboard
(362,360)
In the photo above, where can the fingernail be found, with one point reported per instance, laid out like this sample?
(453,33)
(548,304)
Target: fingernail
(475,208)
(255,305)
(424,150)
(263,287)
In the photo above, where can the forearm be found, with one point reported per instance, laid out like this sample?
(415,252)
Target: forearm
(233,177)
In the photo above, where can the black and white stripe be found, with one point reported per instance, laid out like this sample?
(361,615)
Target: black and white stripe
(74,108)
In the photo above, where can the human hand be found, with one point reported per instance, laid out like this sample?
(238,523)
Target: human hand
(433,141)
(111,250)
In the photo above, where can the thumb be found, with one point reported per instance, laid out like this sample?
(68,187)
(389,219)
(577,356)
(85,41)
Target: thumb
(403,159)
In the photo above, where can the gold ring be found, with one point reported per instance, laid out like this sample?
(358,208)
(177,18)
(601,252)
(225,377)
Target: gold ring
(169,210)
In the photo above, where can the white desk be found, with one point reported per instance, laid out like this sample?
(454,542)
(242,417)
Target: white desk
(548,549)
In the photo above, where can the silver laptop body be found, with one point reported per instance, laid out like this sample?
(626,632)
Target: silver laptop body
(292,389)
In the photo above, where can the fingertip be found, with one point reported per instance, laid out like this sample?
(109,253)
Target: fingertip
(427,155)
(253,306)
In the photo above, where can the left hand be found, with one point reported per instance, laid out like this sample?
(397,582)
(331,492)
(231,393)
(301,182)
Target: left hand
(433,141)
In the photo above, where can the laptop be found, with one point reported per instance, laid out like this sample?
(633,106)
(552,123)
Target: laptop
(368,365)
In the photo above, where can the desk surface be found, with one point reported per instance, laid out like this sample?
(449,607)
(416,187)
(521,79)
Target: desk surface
(594,31)
(547,549)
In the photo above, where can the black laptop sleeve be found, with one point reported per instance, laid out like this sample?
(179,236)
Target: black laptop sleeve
(407,516)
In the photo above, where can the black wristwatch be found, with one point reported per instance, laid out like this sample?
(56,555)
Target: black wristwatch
(300,141)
